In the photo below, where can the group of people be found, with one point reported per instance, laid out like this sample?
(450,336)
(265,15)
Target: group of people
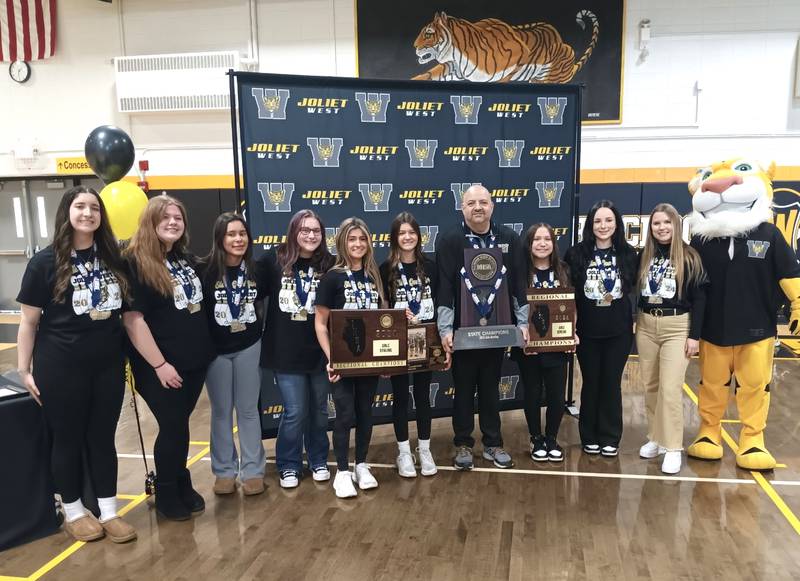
(183,322)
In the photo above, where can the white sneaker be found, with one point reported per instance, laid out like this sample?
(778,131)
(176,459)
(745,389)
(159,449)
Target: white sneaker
(343,484)
(651,450)
(289,479)
(320,473)
(426,464)
(405,465)
(672,462)
(364,477)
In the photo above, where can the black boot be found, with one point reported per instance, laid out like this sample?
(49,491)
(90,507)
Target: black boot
(168,502)
(188,495)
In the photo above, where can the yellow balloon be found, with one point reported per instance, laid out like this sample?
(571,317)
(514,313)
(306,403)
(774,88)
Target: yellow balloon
(124,204)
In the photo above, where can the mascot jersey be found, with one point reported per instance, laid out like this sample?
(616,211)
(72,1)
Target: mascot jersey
(748,264)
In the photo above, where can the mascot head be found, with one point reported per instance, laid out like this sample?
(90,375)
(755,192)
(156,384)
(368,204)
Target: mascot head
(730,198)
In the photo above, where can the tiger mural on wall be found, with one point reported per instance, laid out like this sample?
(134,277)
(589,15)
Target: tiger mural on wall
(491,50)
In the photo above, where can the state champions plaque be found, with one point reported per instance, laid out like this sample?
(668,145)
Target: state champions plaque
(551,320)
(368,342)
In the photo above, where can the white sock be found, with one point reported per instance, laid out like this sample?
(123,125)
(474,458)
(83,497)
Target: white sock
(424,444)
(108,508)
(73,510)
(404,447)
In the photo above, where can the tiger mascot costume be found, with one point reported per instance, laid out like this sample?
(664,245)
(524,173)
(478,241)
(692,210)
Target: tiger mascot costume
(748,263)
(490,50)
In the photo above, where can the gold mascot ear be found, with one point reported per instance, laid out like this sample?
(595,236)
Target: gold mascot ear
(771,170)
(694,183)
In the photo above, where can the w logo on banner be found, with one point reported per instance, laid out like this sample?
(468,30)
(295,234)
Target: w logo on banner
(552,109)
(271,103)
(325,150)
(421,152)
(550,194)
(330,239)
(508,387)
(466,108)
(428,241)
(373,106)
(376,196)
(277,196)
(458,192)
(515,226)
(509,151)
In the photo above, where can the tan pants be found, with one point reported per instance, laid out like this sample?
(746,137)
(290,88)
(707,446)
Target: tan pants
(662,361)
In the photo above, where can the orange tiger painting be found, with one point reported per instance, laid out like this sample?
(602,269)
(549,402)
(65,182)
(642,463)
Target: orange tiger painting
(490,50)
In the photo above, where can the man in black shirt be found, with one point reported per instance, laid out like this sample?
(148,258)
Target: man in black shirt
(478,368)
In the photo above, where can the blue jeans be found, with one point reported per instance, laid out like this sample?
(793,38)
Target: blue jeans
(305,417)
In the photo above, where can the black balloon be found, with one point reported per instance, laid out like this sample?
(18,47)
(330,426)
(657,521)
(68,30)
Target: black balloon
(110,153)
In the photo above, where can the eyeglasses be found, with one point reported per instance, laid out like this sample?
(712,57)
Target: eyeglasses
(310,232)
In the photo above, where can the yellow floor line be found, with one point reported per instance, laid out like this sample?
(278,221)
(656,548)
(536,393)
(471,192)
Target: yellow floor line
(10,578)
(198,443)
(731,421)
(127,496)
(757,476)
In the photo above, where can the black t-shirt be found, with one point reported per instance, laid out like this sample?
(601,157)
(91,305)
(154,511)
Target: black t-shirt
(424,290)
(182,336)
(290,341)
(231,335)
(336,292)
(67,330)
(594,320)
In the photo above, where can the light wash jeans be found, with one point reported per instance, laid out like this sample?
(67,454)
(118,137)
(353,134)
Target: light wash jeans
(234,381)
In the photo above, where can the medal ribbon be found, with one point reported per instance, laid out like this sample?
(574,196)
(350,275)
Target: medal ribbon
(656,274)
(90,279)
(609,276)
(236,291)
(363,298)
(413,294)
(476,240)
(484,308)
(183,273)
(302,286)
(550,283)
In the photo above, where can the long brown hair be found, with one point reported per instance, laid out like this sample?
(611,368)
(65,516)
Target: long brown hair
(288,252)
(395,251)
(557,265)
(683,258)
(146,249)
(368,262)
(107,247)
(215,261)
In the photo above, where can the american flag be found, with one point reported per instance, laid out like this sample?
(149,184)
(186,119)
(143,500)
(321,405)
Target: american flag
(27,29)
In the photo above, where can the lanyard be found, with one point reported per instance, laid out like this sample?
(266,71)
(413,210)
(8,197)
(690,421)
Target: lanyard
(476,240)
(363,297)
(484,307)
(656,273)
(302,286)
(609,276)
(413,294)
(550,283)
(236,290)
(91,279)
(183,274)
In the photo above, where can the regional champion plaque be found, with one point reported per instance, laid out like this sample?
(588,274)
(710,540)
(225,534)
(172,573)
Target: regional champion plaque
(425,350)
(551,320)
(368,341)
(485,315)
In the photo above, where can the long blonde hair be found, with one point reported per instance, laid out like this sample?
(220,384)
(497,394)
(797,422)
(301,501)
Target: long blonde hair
(146,249)
(683,258)
(368,262)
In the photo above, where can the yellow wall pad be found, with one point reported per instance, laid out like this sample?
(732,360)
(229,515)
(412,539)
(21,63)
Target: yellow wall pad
(757,476)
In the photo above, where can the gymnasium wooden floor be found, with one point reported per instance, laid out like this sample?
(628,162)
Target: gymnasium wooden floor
(592,518)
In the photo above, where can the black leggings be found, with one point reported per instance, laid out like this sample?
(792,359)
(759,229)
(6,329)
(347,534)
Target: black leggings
(81,405)
(602,363)
(553,378)
(353,397)
(422,403)
(171,408)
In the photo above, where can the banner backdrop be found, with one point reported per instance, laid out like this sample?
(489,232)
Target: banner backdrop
(370,148)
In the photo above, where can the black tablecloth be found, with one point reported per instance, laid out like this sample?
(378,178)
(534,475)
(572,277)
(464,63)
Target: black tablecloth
(27,506)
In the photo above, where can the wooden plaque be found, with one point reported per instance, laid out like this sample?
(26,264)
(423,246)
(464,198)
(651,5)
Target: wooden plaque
(368,342)
(551,320)
(425,350)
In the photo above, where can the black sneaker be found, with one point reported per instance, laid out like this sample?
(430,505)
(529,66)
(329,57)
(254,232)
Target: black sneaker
(609,451)
(554,451)
(538,449)
(591,449)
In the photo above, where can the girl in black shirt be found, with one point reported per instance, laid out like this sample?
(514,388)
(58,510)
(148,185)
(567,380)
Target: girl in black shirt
(353,283)
(548,370)
(603,269)
(291,276)
(409,282)
(71,298)
(171,344)
(234,379)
